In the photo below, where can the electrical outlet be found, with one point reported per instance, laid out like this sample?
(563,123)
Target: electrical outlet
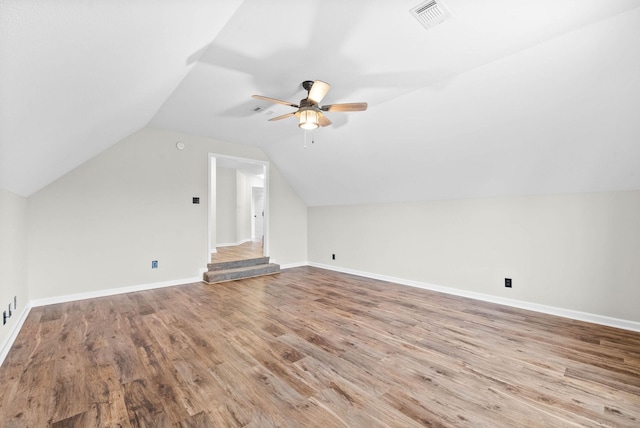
(4,317)
(154,264)
(507,282)
(333,256)
(9,310)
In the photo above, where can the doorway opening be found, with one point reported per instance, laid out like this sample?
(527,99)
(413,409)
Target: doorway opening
(238,209)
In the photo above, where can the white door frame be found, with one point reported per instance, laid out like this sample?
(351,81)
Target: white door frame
(212,198)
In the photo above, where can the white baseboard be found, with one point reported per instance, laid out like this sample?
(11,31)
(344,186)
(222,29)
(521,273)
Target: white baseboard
(293,265)
(551,310)
(8,343)
(114,291)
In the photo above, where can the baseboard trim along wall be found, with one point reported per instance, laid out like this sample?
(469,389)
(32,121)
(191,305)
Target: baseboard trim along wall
(113,291)
(292,265)
(551,310)
(4,349)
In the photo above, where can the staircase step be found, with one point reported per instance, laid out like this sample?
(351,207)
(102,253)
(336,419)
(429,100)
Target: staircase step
(215,276)
(238,263)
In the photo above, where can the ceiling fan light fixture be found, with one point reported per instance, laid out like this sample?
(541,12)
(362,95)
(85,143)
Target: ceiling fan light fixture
(309,119)
(309,111)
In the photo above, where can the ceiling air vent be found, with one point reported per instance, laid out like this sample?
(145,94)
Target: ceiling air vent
(430,13)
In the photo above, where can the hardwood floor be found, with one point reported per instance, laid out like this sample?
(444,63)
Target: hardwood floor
(314,348)
(247,250)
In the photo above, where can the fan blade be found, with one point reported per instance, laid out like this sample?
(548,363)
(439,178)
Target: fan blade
(323,120)
(284,116)
(345,107)
(274,100)
(318,90)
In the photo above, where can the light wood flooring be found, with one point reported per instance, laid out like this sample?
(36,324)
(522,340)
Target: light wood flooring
(247,250)
(314,348)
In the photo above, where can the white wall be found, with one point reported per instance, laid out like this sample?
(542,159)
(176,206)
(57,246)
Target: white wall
(254,182)
(233,205)
(13,261)
(226,214)
(287,221)
(100,226)
(243,203)
(579,252)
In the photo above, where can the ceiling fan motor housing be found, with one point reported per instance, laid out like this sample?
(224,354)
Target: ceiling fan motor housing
(306,102)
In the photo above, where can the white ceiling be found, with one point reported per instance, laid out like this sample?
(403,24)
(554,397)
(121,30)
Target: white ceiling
(505,98)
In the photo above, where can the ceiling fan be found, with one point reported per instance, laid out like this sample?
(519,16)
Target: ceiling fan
(309,111)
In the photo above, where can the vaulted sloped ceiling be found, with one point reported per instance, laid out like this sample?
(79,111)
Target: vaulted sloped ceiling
(504,98)
(78,76)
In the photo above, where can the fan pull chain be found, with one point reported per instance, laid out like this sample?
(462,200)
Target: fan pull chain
(313,138)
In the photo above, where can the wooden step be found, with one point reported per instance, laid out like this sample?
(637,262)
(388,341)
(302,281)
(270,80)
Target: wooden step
(223,275)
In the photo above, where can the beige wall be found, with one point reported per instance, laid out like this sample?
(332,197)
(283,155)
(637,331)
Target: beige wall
(579,252)
(100,226)
(13,260)
(243,223)
(226,215)
(233,206)
(287,222)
